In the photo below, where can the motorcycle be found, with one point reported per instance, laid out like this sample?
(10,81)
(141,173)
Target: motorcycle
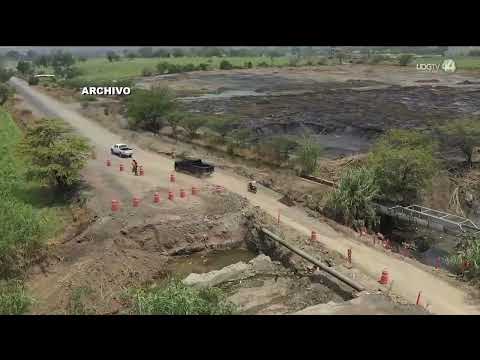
(252,188)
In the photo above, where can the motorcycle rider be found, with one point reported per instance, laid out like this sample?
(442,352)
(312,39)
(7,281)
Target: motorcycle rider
(252,185)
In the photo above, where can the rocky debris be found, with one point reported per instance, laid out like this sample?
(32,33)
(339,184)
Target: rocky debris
(232,272)
(239,271)
(367,304)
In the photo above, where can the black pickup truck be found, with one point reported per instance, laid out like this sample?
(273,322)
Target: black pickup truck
(194,167)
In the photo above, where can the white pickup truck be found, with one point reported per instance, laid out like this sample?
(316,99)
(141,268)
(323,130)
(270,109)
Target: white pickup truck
(121,150)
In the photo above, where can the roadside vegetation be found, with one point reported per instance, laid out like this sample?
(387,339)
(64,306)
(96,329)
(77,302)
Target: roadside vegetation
(32,168)
(466,260)
(175,298)
(55,155)
(13,298)
(352,201)
(399,170)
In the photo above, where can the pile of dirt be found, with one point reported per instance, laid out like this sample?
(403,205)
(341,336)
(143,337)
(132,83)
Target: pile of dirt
(116,253)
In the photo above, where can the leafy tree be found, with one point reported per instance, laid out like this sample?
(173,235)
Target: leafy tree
(130,55)
(42,60)
(161,53)
(5,74)
(145,52)
(210,51)
(24,67)
(5,93)
(82,59)
(72,72)
(278,148)
(340,55)
(148,109)
(191,123)
(353,199)
(178,53)
(12,54)
(113,56)
(56,155)
(62,63)
(308,154)
(405,59)
(404,164)
(465,135)
(178,299)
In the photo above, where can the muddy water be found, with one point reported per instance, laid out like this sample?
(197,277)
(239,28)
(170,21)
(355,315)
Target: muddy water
(181,266)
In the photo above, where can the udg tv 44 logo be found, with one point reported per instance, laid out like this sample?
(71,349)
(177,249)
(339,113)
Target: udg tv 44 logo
(447,65)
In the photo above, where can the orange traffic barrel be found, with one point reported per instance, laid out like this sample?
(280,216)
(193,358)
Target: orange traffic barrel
(115,205)
(384,279)
(135,201)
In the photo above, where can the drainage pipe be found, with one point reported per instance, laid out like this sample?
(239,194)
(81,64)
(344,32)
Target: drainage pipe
(314,261)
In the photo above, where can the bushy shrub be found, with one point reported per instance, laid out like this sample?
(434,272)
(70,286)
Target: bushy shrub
(225,65)
(352,200)
(32,80)
(189,67)
(147,72)
(162,67)
(203,66)
(405,59)
(263,64)
(467,259)
(322,61)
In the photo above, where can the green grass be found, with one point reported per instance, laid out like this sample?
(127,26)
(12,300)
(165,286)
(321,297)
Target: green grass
(27,214)
(101,69)
(175,298)
(462,62)
(13,299)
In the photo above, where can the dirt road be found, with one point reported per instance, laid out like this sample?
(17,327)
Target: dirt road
(443,297)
